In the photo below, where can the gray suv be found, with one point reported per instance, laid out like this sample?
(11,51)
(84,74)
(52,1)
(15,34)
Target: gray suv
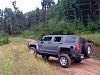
(66,48)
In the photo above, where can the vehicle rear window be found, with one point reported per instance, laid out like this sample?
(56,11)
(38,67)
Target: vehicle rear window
(47,39)
(70,39)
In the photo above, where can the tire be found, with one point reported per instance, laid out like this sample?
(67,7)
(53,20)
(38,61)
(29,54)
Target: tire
(78,60)
(64,60)
(33,50)
(87,50)
(45,57)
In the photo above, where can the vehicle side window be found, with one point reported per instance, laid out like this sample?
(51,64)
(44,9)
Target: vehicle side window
(47,39)
(57,39)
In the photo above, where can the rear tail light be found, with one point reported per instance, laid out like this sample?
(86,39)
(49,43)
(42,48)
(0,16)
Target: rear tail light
(78,47)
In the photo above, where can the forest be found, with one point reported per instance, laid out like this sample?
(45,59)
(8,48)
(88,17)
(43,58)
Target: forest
(63,17)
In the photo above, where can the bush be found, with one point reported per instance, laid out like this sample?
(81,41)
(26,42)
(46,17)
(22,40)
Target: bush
(91,27)
(54,26)
(27,33)
(4,39)
(30,34)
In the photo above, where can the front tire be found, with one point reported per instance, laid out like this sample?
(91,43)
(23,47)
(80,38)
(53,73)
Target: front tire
(64,60)
(33,50)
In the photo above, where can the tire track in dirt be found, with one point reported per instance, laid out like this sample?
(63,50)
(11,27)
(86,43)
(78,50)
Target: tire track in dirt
(86,67)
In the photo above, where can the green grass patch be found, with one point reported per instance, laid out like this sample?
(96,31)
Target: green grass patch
(4,39)
(15,40)
(93,37)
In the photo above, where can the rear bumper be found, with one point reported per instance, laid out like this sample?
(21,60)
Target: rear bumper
(81,56)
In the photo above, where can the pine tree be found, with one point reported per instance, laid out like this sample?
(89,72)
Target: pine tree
(45,5)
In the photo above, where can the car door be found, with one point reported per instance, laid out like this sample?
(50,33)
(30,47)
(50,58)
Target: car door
(55,44)
(45,44)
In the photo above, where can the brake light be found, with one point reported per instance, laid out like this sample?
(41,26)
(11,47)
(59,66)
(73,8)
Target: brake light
(78,47)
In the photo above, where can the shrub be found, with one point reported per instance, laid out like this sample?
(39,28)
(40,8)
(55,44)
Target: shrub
(54,26)
(27,33)
(4,39)
(30,34)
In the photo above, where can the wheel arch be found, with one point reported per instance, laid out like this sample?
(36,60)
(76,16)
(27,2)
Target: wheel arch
(35,46)
(63,50)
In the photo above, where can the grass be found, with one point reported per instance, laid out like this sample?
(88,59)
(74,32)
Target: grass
(97,55)
(93,37)
(4,39)
(16,60)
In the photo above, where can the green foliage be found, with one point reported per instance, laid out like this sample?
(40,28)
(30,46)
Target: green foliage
(54,26)
(30,34)
(52,12)
(91,26)
(12,22)
(3,38)
(97,25)
(64,17)
(27,33)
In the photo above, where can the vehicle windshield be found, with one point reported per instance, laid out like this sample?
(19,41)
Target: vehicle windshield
(71,39)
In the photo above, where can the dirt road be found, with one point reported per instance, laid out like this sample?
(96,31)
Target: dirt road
(86,67)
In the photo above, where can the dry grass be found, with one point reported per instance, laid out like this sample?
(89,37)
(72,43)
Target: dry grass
(16,60)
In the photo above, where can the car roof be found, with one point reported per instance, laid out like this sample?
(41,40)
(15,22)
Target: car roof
(62,35)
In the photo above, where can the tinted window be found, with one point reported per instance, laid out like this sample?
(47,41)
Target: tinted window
(70,39)
(47,39)
(57,39)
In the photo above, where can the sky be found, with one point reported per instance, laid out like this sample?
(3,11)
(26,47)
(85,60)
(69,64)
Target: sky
(23,5)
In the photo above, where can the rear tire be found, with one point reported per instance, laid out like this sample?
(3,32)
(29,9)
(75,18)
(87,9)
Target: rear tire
(87,50)
(64,60)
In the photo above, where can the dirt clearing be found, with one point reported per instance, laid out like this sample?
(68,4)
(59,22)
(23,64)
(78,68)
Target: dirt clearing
(86,67)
